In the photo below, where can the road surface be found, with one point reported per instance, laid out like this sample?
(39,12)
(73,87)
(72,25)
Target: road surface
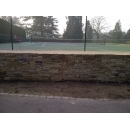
(41,104)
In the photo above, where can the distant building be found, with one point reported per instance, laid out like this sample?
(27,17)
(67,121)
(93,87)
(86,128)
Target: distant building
(106,36)
(101,36)
(94,35)
(61,36)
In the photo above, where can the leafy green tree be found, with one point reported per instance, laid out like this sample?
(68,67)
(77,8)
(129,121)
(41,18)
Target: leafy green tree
(45,26)
(27,24)
(5,30)
(51,28)
(6,18)
(89,34)
(69,28)
(78,33)
(117,32)
(15,20)
(127,36)
(38,25)
(74,28)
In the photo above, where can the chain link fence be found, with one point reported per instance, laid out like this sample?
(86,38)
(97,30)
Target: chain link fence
(14,37)
(43,44)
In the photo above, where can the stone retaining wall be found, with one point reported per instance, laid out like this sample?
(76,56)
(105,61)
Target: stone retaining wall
(60,67)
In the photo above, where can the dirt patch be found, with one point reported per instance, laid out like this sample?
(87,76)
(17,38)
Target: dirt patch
(69,89)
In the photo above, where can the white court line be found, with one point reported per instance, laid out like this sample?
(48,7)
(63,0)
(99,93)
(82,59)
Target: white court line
(44,44)
(30,44)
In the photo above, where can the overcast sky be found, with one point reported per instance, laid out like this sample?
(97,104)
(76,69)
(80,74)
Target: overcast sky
(112,10)
(111,20)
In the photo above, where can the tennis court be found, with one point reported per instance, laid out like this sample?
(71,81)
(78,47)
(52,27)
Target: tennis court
(66,46)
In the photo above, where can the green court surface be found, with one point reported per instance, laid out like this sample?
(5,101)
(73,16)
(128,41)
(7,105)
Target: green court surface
(48,46)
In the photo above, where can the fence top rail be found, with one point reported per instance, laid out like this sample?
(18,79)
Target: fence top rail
(63,52)
(73,39)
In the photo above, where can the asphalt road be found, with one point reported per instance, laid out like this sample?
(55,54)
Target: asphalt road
(41,104)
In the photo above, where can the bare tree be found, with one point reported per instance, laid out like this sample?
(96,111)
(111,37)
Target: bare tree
(99,25)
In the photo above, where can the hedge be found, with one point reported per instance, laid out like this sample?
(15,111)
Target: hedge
(5,31)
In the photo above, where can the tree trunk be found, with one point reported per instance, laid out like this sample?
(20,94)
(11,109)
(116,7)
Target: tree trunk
(98,36)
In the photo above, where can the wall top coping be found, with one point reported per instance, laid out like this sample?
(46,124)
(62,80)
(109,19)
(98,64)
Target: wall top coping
(64,52)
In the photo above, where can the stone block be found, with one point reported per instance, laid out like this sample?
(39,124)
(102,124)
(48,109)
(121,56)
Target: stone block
(7,78)
(2,72)
(45,75)
(34,58)
(20,78)
(122,74)
(13,78)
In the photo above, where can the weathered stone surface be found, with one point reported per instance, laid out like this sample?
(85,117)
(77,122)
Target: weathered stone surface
(2,72)
(7,78)
(57,67)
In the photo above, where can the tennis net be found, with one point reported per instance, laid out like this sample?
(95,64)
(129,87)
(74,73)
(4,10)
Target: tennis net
(42,39)
(102,41)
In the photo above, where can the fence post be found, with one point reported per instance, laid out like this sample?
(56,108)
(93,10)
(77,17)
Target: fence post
(85,34)
(31,38)
(104,41)
(4,38)
(11,31)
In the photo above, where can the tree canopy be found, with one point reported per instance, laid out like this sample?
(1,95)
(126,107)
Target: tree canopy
(99,25)
(117,32)
(127,35)
(89,34)
(73,28)
(45,26)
